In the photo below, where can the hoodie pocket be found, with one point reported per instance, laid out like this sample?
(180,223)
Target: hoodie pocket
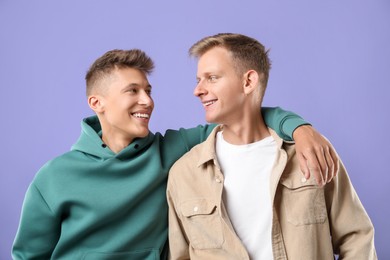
(143,254)
(202,223)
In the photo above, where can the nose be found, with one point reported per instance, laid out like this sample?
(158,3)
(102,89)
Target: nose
(145,99)
(199,89)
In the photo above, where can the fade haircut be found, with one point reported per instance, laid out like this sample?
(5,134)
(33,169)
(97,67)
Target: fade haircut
(117,59)
(247,53)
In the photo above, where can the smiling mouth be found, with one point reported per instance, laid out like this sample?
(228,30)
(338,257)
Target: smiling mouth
(208,103)
(141,115)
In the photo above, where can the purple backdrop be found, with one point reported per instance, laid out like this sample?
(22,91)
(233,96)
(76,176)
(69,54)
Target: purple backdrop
(331,63)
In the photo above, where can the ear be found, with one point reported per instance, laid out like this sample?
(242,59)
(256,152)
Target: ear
(96,103)
(251,81)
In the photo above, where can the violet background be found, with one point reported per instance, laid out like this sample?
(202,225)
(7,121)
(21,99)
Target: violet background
(331,65)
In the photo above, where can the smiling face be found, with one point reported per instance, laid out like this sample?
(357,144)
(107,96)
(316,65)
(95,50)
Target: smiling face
(219,87)
(125,105)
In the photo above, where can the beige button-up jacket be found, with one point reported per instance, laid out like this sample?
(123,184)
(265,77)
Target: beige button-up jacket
(308,222)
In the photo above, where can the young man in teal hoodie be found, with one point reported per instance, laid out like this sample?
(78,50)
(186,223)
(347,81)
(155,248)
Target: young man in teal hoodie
(105,199)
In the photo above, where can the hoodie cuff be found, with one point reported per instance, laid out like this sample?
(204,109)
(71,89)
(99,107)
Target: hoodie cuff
(289,124)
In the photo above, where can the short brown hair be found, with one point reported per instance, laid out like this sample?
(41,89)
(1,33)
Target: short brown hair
(117,59)
(247,53)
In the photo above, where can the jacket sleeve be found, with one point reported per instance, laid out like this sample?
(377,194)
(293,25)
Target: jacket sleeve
(38,230)
(178,243)
(351,228)
(283,122)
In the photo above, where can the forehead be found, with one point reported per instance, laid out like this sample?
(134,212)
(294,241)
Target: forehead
(215,59)
(121,78)
(129,75)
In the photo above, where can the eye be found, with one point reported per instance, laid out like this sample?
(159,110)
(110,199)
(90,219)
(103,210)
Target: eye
(212,78)
(149,92)
(133,90)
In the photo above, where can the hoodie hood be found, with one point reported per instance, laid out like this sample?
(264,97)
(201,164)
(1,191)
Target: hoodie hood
(90,142)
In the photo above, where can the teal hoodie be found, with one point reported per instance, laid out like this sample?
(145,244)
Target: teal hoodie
(91,203)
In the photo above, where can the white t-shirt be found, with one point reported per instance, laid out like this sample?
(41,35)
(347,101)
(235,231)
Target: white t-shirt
(247,170)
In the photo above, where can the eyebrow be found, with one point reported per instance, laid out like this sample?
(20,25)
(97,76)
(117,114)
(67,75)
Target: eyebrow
(208,73)
(136,85)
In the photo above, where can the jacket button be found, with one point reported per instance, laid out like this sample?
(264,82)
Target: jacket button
(218,180)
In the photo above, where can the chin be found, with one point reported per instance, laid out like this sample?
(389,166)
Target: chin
(211,120)
(139,133)
(144,134)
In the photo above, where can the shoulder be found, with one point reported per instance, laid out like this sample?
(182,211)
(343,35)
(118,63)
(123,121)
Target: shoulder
(195,160)
(198,133)
(57,166)
(188,163)
(190,158)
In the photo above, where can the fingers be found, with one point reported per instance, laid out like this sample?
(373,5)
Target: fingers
(336,161)
(332,161)
(319,171)
(316,155)
(329,164)
(310,166)
(323,163)
(303,165)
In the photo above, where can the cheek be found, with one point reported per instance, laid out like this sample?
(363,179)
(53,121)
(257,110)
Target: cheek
(151,102)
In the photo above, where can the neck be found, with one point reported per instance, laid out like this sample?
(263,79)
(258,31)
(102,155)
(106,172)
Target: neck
(115,143)
(248,130)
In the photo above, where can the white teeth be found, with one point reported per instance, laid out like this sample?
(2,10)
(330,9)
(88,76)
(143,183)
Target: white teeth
(208,103)
(139,115)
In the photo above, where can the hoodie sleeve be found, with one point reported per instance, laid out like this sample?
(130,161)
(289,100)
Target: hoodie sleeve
(39,229)
(283,122)
(176,143)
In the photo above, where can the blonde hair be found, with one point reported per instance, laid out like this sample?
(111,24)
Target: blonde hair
(247,53)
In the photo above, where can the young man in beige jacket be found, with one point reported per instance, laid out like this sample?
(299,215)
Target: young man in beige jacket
(241,194)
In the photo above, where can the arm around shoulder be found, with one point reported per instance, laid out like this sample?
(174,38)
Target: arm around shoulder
(315,153)
(283,122)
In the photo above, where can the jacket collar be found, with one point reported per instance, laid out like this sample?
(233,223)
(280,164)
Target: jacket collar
(208,147)
(208,152)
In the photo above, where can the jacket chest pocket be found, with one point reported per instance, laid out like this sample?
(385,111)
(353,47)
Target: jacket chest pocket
(202,223)
(304,202)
